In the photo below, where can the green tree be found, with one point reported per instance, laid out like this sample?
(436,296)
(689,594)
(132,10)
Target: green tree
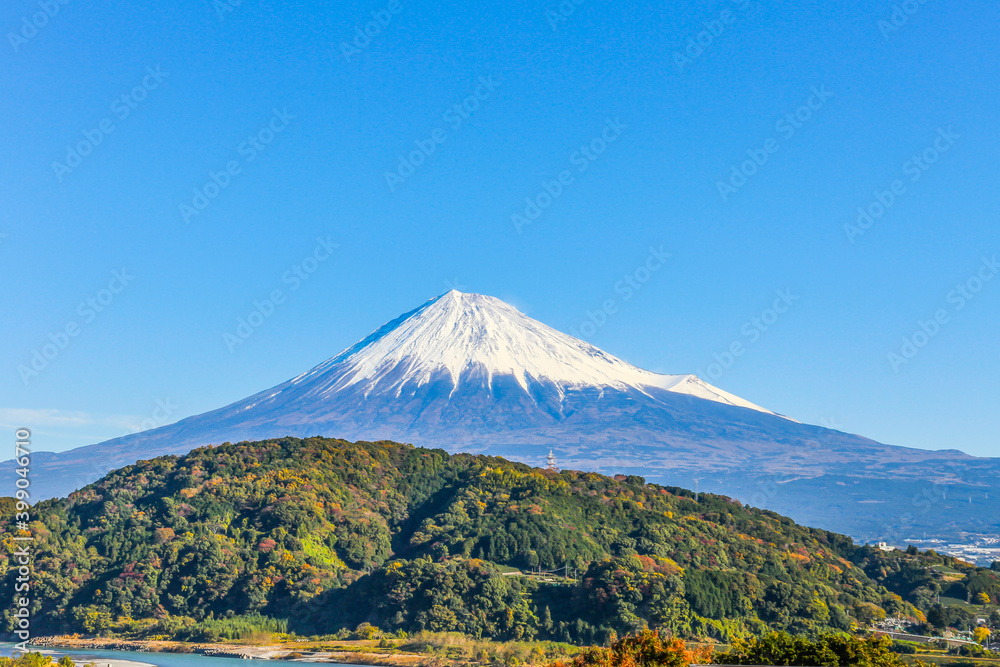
(830,650)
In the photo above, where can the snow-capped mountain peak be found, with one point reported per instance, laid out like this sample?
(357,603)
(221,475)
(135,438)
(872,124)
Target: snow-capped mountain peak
(459,337)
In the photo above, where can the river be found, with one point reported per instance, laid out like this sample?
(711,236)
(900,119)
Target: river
(105,658)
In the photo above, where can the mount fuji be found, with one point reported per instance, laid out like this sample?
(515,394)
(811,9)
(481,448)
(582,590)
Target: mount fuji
(467,372)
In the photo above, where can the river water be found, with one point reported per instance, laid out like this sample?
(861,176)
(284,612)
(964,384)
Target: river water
(104,658)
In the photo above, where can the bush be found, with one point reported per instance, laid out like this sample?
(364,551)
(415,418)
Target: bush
(256,627)
(366,631)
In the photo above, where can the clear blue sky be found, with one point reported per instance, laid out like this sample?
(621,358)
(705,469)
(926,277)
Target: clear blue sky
(329,122)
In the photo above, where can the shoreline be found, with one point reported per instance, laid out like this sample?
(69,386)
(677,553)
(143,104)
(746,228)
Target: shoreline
(347,652)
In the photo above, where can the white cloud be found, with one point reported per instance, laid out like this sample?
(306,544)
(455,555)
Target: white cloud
(57,430)
(28,418)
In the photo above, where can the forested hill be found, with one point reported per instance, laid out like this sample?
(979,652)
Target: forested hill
(323,534)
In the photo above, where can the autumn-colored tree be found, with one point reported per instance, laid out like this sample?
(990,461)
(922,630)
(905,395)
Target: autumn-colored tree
(983,598)
(163,535)
(27,660)
(644,649)
(981,634)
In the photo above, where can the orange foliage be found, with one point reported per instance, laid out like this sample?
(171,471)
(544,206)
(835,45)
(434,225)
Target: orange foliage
(645,649)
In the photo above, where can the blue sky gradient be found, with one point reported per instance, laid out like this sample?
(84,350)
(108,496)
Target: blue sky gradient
(288,136)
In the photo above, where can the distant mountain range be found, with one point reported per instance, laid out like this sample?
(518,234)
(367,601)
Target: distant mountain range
(467,372)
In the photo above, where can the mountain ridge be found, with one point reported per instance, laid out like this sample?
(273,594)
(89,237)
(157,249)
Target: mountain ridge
(326,534)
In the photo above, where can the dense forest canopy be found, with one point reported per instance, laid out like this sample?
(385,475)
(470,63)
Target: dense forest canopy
(318,534)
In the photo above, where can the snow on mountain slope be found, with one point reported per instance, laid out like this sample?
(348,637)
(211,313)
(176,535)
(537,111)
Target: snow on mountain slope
(695,386)
(470,337)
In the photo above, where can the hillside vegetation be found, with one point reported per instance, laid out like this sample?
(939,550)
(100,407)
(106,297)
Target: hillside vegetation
(317,535)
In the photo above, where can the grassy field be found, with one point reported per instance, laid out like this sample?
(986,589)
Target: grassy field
(977,608)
